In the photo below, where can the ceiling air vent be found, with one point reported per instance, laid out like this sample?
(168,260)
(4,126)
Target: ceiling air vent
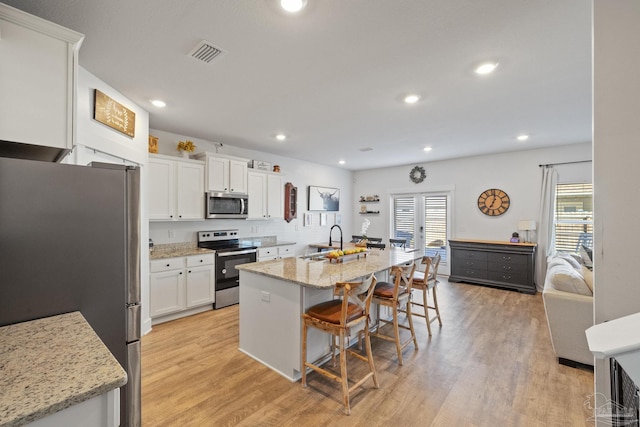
(365,149)
(205,51)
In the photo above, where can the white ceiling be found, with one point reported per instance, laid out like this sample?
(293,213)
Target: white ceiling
(332,77)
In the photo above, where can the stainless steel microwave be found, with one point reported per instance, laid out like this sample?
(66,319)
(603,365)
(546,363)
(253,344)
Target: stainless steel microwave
(223,205)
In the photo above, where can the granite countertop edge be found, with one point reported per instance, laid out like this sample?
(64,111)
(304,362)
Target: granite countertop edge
(77,367)
(179,250)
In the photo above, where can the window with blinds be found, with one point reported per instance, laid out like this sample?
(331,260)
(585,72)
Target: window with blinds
(404,219)
(574,217)
(422,214)
(435,230)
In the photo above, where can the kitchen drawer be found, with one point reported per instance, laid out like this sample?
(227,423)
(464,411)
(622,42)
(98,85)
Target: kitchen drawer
(506,258)
(463,254)
(267,252)
(508,277)
(475,264)
(286,251)
(158,265)
(505,267)
(194,261)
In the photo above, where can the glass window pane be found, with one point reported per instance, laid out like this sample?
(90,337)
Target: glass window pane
(435,220)
(574,217)
(404,219)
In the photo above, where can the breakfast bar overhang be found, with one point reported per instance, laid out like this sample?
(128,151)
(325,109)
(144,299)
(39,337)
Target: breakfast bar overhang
(274,294)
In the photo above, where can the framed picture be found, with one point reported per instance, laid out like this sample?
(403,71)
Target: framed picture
(324,199)
(323,219)
(308,219)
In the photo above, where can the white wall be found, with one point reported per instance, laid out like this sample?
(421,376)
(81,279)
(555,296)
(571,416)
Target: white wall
(301,174)
(616,152)
(517,173)
(100,143)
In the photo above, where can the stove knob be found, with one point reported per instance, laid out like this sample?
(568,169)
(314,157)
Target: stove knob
(224,271)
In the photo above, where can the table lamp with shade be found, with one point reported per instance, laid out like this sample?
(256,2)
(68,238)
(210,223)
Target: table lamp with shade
(526,226)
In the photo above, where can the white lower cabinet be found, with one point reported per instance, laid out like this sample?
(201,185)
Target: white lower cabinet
(275,252)
(178,286)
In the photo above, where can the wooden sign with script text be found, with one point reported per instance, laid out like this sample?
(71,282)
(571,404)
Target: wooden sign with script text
(114,114)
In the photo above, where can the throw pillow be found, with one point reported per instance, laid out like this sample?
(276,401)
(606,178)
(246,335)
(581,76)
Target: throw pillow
(570,259)
(588,277)
(567,279)
(586,255)
(556,260)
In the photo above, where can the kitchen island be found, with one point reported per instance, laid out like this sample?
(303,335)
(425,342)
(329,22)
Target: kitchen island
(57,371)
(274,294)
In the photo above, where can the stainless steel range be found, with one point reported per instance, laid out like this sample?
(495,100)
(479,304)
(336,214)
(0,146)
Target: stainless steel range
(229,253)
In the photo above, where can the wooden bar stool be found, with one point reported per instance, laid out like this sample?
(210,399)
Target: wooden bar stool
(395,295)
(427,281)
(337,317)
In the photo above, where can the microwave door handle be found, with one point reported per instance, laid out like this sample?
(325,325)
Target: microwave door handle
(242,209)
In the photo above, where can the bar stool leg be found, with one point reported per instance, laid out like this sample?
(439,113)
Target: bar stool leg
(426,310)
(367,343)
(304,354)
(396,328)
(435,305)
(343,374)
(410,317)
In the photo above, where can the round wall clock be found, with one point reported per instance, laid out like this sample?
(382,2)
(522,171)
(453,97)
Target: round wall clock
(417,174)
(493,202)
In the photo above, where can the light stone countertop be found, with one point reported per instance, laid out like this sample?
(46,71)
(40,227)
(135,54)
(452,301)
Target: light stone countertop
(177,250)
(323,274)
(50,364)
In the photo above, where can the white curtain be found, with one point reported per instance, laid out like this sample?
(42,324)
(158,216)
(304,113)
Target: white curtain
(545,220)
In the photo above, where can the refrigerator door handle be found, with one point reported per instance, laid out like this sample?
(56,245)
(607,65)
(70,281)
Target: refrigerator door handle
(133,394)
(133,322)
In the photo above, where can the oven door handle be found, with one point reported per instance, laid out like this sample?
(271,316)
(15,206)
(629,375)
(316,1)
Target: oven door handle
(232,253)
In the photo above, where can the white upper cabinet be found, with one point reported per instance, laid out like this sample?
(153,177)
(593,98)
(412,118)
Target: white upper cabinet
(266,193)
(38,77)
(225,174)
(176,189)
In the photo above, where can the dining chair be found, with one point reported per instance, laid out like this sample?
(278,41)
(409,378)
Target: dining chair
(376,245)
(356,239)
(397,243)
(396,295)
(375,239)
(427,281)
(339,317)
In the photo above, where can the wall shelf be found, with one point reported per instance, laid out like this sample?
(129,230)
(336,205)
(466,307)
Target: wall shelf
(370,213)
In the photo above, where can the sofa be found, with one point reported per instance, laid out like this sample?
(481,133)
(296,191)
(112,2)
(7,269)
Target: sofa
(568,304)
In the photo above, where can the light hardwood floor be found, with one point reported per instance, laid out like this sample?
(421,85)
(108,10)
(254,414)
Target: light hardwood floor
(491,364)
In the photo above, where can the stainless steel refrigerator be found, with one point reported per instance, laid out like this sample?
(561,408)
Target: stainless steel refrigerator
(69,241)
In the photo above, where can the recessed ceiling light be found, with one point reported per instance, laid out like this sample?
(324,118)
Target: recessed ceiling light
(158,103)
(411,99)
(486,68)
(522,137)
(281,137)
(293,6)
(342,162)
(427,148)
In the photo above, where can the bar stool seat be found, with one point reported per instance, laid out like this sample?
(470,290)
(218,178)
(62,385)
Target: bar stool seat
(427,281)
(338,317)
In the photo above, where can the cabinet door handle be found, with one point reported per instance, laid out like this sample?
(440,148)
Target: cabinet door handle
(201,260)
(506,258)
(168,265)
(469,263)
(506,277)
(507,267)
(189,271)
(181,273)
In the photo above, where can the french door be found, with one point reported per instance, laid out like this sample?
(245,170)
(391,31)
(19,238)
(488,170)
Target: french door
(423,220)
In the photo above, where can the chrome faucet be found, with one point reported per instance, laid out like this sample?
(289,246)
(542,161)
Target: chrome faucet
(330,231)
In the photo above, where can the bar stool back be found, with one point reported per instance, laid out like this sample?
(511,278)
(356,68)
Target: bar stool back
(338,317)
(427,281)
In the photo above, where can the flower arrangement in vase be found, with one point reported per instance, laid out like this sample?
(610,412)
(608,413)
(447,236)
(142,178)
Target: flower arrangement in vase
(363,233)
(186,147)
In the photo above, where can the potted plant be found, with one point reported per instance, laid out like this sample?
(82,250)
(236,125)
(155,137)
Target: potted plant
(186,147)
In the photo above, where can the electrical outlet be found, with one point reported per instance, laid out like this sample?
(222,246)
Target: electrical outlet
(265,296)
(172,234)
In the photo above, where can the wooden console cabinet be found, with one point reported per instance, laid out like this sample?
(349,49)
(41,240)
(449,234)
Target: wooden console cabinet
(502,264)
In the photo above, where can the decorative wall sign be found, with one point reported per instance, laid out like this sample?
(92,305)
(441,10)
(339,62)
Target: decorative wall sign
(324,199)
(114,114)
